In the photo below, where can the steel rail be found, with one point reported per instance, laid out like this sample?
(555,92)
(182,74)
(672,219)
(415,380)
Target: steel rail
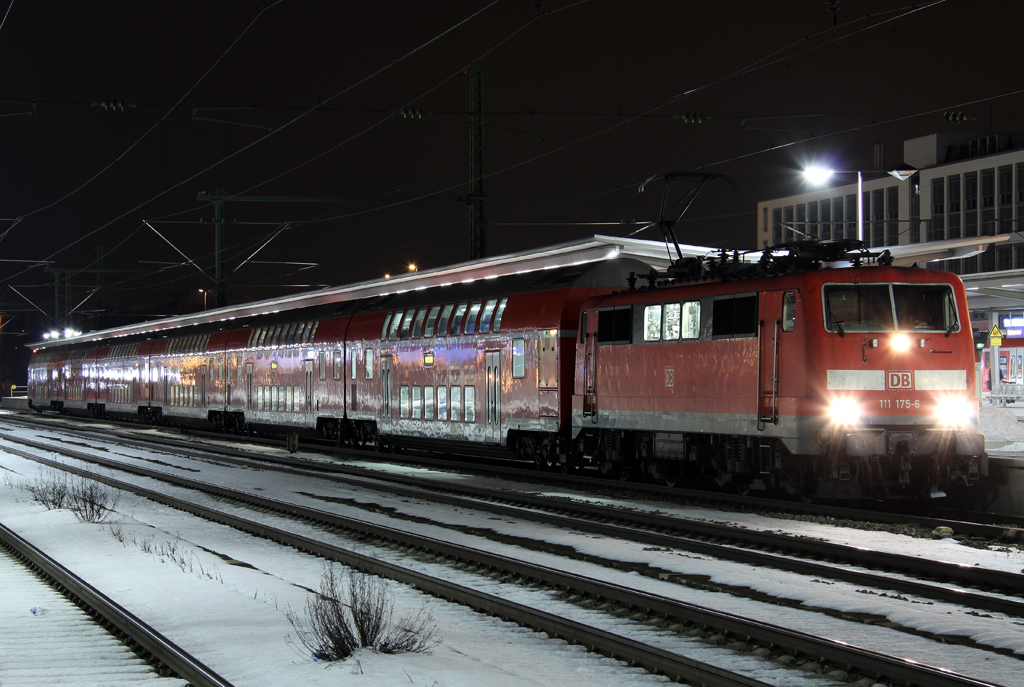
(162,649)
(749,556)
(996,526)
(688,528)
(866,661)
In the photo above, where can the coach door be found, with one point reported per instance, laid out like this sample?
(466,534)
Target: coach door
(309,388)
(493,397)
(248,386)
(776,317)
(588,326)
(202,386)
(385,394)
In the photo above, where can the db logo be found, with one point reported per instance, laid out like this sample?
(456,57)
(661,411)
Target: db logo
(670,377)
(899,379)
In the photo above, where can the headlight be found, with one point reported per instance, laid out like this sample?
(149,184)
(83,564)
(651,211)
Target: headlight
(844,411)
(956,411)
(901,342)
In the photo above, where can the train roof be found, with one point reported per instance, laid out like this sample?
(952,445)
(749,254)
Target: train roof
(591,250)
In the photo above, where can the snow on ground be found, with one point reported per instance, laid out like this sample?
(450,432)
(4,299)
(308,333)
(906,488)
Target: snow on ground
(253,612)
(1000,424)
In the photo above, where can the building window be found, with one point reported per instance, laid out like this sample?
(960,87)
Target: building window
(851,216)
(892,213)
(787,223)
(826,220)
(838,230)
(800,227)
(812,219)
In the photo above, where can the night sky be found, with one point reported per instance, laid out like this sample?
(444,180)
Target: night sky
(579,100)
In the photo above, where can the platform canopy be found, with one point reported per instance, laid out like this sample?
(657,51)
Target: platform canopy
(657,254)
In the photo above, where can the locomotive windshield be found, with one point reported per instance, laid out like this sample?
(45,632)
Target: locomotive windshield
(888,307)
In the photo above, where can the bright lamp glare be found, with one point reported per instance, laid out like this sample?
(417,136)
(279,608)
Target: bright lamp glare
(901,342)
(844,411)
(955,411)
(817,175)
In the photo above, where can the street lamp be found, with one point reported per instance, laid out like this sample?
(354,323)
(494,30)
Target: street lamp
(204,292)
(819,175)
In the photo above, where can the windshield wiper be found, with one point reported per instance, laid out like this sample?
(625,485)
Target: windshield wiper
(832,318)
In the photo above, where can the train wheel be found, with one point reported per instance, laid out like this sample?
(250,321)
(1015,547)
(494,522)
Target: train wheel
(292,442)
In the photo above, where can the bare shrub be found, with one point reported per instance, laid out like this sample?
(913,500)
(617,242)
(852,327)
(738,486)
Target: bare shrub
(90,501)
(355,610)
(50,489)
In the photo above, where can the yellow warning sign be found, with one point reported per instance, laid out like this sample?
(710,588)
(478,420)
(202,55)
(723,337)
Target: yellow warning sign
(995,337)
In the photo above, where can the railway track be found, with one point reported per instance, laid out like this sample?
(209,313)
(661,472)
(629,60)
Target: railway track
(90,662)
(974,524)
(751,547)
(661,610)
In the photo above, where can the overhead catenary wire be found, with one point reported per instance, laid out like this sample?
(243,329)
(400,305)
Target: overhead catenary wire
(253,143)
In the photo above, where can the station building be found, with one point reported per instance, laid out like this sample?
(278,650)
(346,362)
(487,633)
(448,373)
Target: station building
(960,208)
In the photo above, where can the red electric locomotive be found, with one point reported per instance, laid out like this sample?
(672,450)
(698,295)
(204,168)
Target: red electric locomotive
(786,373)
(853,382)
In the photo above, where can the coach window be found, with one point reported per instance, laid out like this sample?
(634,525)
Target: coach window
(323,365)
(518,358)
(498,312)
(460,312)
(485,318)
(671,326)
(442,403)
(417,324)
(403,401)
(788,311)
(428,403)
(456,403)
(312,332)
(368,363)
(652,323)
(691,320)
(384,329)
(300,333)
(474,311)
(417,402)
(338,365)
(292,329)
(395,322)
(470,403)
(428,329)
(353,355)
(407,323)
(442,324)
(615,326)
(734,317)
